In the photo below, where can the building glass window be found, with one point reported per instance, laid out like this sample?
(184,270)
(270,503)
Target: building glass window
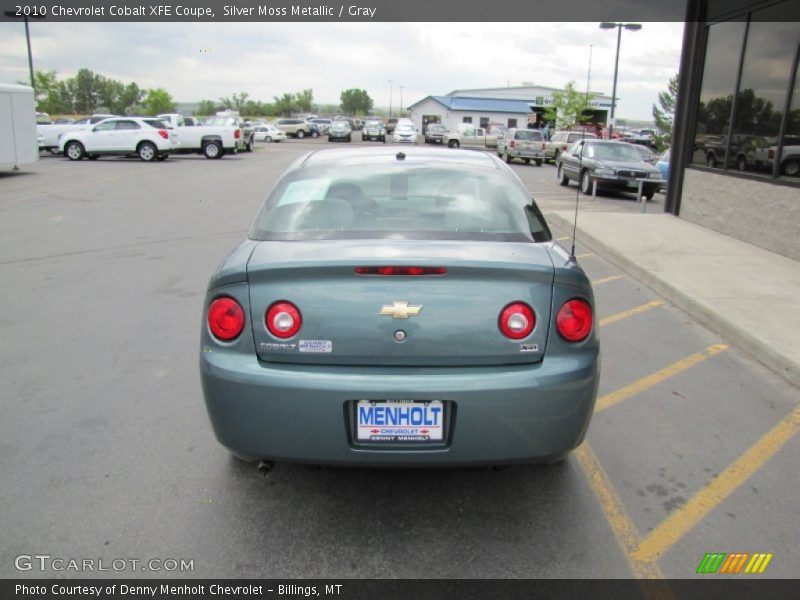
(484,122)
(512,123)
(789,167)
(764,83)
(466,120)
(723,50)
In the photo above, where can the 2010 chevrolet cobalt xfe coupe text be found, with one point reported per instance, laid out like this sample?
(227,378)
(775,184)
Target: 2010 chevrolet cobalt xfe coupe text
(399,308)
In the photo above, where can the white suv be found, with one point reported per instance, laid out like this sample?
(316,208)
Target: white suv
(146,138)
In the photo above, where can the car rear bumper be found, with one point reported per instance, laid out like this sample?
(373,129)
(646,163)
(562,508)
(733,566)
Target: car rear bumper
(522,153)
(301,413)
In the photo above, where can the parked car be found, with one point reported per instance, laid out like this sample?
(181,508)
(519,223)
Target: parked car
(339,332)
(340,130)
(219,136)
(525,144)
(391,124)
(405,133)
(297,128)
(561,141)
(434,133)
(373,130)
(233,118)
(610,164)
(323,124)
(127,136)
(269,133)
(48,135)
(662,164)
(469,136)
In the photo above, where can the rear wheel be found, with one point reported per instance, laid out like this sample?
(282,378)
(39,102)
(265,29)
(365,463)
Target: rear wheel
(539,162)
(212,150)
(300,134)
(562,177)
(268,139)
(586,183)
(453,144)
(74,151)
(147,151)
(791,167)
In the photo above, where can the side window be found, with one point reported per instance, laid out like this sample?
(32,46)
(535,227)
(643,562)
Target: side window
(484,122)
(469,132)
(512,123)
(127,125)
(108,126)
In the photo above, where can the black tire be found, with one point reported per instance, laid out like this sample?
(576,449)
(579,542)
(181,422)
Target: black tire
(268,139)
(562,177)
(300,134)
(383,139)
(212,150)
(649,195)
(527,161)
(349,139)
(508,158)
(94,156)
(314,135)
(791,167)
(147,151)
(586,183)
(249,146)
(711,160)
(162,157)
(538,162)
(74,151)
(453,144)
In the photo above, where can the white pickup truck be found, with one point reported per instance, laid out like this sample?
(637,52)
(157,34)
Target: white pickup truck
(212,141)
(470,136)
(48,133)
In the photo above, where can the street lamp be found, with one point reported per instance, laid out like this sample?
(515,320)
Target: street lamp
(10,14)
(390,98)
(401,99)
(618,27)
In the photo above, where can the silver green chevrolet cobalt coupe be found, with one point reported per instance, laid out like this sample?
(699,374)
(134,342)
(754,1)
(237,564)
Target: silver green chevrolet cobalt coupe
(399,309)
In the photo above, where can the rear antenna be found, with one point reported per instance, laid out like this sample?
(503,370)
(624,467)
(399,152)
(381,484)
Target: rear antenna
(580,162)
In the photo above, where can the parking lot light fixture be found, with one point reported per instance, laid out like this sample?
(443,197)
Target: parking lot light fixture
(390,98)
(10,14)
(618,27)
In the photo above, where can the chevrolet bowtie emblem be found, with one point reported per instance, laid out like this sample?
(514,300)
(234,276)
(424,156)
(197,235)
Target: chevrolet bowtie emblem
(400,310)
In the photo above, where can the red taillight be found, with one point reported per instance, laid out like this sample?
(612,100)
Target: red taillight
(163,133)
(517,320)
(512,144)
(412,271)
(225,318)
(574,320)
(283,319)
(237,134)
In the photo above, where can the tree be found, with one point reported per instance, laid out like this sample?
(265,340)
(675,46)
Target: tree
(665,115)
(205,108)
(85,90)
(305,100)
(158,101)
(131,95)
(355,101)
(569,107)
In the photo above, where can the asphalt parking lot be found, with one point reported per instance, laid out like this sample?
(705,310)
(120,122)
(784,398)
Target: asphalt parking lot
(106,451)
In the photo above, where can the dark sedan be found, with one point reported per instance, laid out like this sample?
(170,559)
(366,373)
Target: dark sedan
(611,165)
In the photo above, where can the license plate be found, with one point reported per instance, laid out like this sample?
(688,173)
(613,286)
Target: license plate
(399,421)
(633,183)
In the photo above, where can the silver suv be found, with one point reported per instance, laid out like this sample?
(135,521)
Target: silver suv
(296,128)
(525,144)
(561,141)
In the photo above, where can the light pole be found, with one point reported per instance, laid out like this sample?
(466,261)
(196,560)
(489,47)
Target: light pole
(13,15)
(390,98)
(402,87)
(618,26)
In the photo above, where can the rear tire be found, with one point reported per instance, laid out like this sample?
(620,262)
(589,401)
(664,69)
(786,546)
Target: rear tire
(74,151)
(649,195)
(249,146)
(562,177)
(539,163)
(453,144)
(212,150)
(268,139)
(791,167)
(527,161)
(147,151)
(300,134)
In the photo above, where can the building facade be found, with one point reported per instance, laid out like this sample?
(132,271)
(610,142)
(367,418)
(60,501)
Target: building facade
(735,164)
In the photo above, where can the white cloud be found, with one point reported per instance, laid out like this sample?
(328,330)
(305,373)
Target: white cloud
(207,60)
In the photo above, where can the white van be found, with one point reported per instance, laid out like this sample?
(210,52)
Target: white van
(18,117)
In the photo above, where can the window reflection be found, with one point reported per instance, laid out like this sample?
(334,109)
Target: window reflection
(790,151)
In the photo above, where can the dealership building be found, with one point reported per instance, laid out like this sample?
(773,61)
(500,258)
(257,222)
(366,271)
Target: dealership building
(735,164)
(517,106)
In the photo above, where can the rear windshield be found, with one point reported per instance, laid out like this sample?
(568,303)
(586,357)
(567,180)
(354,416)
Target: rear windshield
(391,201)
(534,136)
(155,123)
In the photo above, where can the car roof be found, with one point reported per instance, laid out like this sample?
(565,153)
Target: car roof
(417,156)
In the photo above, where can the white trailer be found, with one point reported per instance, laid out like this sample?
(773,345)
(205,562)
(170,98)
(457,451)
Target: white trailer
(18,141)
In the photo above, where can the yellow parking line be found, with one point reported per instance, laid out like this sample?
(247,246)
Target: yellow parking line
(561,239)
(632,311)
(606,279)
(618,519)
(584,255)
(663,537)
(655,378)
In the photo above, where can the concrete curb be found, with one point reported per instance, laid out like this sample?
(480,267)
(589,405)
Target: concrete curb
(756,348)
